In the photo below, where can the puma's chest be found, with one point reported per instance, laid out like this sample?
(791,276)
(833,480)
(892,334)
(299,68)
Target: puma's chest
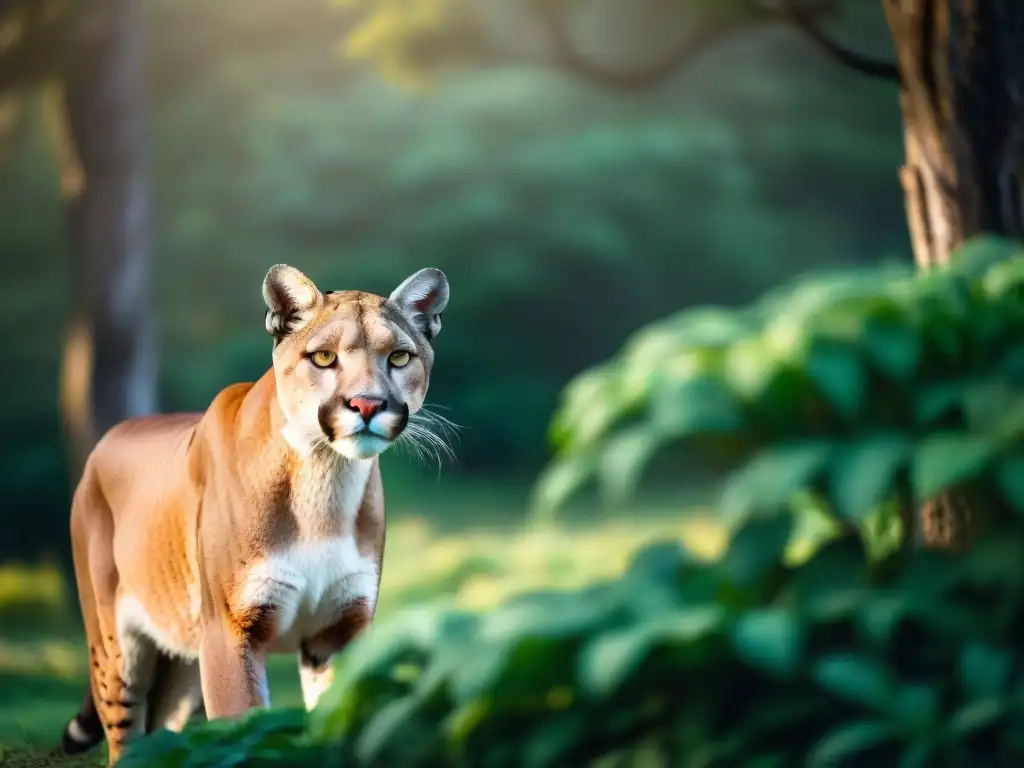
(308,581)
(307,587)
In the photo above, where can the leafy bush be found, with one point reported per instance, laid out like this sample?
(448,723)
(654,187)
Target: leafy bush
(861,392)
(860,385)
(740,663)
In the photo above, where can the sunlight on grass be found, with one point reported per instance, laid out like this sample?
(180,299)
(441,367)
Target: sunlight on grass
(63,659)
(43,661)
(31,591)
(474,570)
(478,570)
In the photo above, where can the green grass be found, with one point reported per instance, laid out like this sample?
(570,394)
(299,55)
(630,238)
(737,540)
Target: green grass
(465,561)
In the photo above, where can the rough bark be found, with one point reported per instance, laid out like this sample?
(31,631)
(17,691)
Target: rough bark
(109,367)
(961,69)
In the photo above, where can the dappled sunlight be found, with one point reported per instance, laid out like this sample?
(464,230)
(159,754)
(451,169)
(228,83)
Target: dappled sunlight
(480,569)
(475,570)
(31,590)
(64,659)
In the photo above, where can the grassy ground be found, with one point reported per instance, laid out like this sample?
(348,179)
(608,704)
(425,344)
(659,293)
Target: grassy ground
(460,559)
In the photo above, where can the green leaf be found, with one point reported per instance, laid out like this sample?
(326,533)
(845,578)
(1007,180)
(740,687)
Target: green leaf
(856,679)
(703,405)
(880,616)
(977,716)
(770,639)
(862,474)
(624,458)
(751,367)
(607,662)
(770,479)
(1004,277)
(981,252)
(659,561)
(549,742)
(839,375)
(1009,475)
(831,581)
(917,705)
(849,742)
(384,727)
(920,754)
(985,670)
(946,460)
(892,346)
(987,404)
(488,663)
(464,719)
(591,403)
(709,326)
(756,549)
(936,403)
(410,633)
(562,478)
(1012,365)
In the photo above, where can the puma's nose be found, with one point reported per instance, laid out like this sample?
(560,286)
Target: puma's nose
(367,406)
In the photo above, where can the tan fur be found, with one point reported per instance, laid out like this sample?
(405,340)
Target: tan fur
(203,542)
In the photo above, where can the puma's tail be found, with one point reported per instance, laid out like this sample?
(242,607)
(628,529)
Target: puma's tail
(84,731)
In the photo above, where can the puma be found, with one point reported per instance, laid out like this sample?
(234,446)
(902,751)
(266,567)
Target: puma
(203,542)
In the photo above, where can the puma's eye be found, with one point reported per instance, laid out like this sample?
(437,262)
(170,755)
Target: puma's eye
(323,358)
(399,359)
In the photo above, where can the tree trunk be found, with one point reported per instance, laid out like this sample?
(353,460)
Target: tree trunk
(962,72)
(109,367)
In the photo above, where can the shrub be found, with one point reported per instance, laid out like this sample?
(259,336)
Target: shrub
(859,386)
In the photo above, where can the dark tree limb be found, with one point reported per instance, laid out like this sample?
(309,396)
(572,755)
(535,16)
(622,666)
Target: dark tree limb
(570,59)
(803,20)
(802,15)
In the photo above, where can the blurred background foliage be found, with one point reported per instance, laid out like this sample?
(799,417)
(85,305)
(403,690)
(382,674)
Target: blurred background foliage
(565,214)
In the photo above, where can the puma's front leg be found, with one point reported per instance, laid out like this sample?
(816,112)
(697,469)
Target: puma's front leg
(315,670)
(233,672)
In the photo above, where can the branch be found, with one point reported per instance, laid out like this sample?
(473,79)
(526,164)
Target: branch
(803,21)
(571,60)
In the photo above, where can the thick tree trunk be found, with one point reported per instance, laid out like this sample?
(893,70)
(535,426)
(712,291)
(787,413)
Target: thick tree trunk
(109,369)
(961,66)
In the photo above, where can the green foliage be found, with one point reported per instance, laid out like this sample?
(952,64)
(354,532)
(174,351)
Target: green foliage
(870,388)
(263,738)
(552,207)
(748,661)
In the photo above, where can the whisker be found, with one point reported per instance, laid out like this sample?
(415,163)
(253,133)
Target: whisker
(449,429)
(427,435)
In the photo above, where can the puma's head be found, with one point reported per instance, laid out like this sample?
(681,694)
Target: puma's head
(351,367)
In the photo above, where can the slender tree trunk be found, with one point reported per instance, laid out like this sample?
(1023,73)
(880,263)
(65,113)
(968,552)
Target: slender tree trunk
(109,367)
(961,65)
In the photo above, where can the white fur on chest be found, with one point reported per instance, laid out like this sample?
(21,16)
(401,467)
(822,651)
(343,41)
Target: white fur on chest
(310,584)
(312,579)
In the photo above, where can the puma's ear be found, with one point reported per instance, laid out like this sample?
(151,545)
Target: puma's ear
(423,297)
(291,299)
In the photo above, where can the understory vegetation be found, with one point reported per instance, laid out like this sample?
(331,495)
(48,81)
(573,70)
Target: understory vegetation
(834,403)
